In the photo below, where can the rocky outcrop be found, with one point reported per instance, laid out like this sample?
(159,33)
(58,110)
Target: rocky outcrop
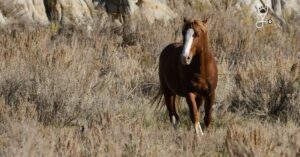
(120,6)
(156,10)
(81,11)
(24,11)
(276,8)
(43,11)
(2,19)
(150,9)
(69,11)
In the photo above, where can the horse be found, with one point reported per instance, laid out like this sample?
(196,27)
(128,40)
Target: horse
(189,70)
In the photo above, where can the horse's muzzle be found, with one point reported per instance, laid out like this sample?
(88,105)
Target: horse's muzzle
(186,60)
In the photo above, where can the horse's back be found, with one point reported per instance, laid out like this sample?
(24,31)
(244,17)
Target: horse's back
(172,50)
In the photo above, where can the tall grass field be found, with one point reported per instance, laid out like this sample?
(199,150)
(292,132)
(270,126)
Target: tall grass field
(68,92)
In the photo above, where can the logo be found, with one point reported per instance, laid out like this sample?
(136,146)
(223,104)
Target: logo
(262,12)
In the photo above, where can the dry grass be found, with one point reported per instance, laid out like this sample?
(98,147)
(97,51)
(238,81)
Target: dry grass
(72,93)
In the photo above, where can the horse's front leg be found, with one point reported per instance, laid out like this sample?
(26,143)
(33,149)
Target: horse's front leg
(194,114)
(208,109)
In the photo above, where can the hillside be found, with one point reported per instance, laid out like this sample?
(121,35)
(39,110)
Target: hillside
(83,87)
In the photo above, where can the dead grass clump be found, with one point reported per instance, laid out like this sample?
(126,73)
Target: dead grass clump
(256,140)
(266,89)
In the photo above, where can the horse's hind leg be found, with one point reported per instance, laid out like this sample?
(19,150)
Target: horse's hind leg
(175,117)
(170,102)
(208,109)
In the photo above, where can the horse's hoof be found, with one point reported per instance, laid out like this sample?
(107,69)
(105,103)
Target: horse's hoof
(198,129)
(174,122)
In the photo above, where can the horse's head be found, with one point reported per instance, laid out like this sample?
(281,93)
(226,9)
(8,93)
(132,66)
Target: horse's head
(194,35)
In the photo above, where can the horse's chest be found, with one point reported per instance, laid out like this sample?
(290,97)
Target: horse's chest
(186,78)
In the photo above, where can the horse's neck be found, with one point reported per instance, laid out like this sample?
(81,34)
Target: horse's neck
(204,57)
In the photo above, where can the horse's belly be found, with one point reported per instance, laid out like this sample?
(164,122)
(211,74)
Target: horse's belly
(173,81)
(174,86)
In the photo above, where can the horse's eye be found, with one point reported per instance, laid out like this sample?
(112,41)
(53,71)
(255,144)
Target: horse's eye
(196,34)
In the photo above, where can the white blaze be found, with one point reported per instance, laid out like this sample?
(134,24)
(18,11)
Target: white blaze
(188,42)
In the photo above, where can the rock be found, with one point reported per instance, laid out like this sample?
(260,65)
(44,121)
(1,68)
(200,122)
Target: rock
(25,11)
(291,7)
(151,9)
(2,19)
(81,11)
(276,8)
(43,11)
(155,10)
(74,11)
(120,6)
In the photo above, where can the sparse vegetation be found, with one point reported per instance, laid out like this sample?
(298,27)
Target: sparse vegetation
(65,92)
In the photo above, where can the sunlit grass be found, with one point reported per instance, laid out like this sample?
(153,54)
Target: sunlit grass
(66,93)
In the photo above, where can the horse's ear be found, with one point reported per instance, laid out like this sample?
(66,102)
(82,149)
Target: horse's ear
(205,21)
(186,20)
(197,22)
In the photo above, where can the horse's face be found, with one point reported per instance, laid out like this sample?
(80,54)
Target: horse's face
(194,34)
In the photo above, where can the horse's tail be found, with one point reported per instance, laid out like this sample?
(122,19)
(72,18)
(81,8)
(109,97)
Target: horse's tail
(177,102)
(157,100)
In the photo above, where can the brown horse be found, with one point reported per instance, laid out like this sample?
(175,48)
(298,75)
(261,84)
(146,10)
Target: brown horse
(189,70)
